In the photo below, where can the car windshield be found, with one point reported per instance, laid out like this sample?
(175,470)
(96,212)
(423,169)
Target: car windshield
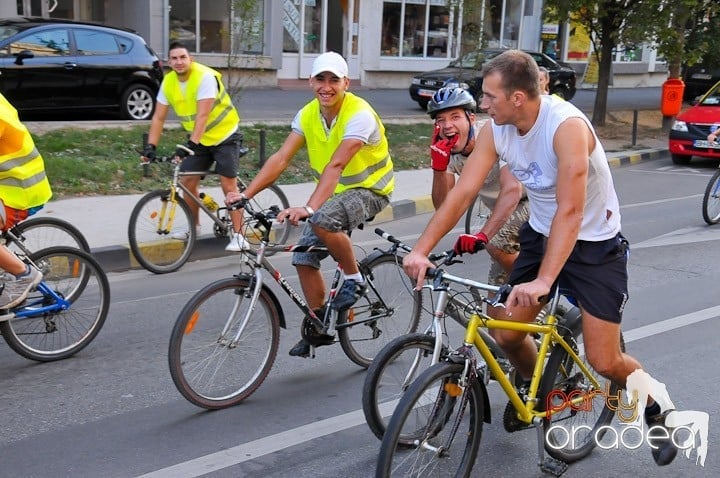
(473,59)
(712,98)
(7,32)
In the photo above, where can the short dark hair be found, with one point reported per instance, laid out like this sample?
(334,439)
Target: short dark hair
(175,45)
(517,70)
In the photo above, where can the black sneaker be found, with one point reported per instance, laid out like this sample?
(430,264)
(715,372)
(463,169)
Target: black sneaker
(300,349)
(511,422)
(665,450)
(349,293)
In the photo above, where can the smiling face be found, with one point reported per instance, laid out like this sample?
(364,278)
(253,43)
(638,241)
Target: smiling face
(455,122)
(180,60)
(329,89)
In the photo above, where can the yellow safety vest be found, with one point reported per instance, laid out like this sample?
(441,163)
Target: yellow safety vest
(223,119)
(370,168)
(23,183)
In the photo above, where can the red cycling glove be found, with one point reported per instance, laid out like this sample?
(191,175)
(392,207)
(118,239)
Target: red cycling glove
(470,243)
(440,150)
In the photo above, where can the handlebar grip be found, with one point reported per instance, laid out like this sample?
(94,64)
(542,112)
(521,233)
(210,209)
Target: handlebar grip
(186,149)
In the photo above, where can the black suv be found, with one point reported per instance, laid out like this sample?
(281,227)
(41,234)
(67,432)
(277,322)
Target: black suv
(465,72)
(52,65)
(698,80)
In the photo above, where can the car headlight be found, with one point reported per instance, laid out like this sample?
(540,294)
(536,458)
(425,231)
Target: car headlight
(416,81)
(456,84)
(680,126)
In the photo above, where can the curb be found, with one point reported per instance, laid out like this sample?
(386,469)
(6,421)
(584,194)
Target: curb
(119,258)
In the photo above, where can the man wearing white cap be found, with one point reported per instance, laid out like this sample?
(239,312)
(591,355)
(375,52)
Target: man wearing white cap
(350,160)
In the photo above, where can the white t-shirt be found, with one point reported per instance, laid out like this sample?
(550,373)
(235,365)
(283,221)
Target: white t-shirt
(532,160)
(208,89)
(361,126)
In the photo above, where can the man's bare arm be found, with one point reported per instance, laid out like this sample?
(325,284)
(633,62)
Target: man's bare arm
(508,199)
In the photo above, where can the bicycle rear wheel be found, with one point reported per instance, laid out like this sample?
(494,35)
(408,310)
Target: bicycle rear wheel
(41,232)
(271,198)
(396,366)
(161,232)
(711,200)
(209,365)
(390,308)
(76,276)
(573,431)
(442,419)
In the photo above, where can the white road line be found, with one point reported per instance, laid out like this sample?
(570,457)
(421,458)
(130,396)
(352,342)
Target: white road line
(660,201)
(280,441)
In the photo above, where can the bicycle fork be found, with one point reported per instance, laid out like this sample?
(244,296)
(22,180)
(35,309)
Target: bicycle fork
(255,286)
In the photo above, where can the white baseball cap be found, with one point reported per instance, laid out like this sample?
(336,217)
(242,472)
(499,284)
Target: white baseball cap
(332,62)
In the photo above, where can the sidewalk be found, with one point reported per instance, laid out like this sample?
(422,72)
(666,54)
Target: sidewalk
(104,219)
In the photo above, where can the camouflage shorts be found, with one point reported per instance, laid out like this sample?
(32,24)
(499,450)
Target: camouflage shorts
(507,241)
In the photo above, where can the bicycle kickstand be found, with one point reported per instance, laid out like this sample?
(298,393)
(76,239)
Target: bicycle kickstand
(547,464)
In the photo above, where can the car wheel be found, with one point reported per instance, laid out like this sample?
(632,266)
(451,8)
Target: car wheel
(560,91)
(423,104)
(680,159)
(138,102)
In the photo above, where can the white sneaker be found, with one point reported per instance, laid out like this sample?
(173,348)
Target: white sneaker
(184,234)
(237,243)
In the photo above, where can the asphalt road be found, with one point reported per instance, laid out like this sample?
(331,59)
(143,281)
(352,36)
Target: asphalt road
(112,410)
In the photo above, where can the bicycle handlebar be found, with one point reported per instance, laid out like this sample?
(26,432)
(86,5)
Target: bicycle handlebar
(448,257)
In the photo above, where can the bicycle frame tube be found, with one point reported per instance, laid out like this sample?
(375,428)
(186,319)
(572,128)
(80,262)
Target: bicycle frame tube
(34,308)
(190,196)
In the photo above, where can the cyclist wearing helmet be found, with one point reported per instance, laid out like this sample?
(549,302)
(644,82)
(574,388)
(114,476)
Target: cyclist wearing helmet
(453,110)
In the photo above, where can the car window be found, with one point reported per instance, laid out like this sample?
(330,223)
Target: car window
(90,42)
(7,32)
(712,98)
(43,43)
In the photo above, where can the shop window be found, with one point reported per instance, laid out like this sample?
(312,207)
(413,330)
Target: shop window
(212,27)
(627,53)
(415,28)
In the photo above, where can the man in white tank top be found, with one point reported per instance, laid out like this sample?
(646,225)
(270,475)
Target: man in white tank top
(573,234)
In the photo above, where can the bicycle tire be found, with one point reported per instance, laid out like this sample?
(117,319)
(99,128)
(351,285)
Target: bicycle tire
(390,375)
(78,277)
(475,216)
(428,411)
(390,308)
(561,374)
(41,232)
(153,248)
(711,200)
(205,370)
(268,199)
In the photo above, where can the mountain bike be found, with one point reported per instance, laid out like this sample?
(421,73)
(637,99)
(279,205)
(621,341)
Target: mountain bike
(403,359)
(66,311)
(711,200)
(225,339)
(437,426)
(161,216)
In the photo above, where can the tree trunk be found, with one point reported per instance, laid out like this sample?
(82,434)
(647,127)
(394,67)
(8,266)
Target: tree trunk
(604,72)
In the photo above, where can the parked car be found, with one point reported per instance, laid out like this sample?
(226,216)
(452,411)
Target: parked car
(56,65)
(688,135)
(466,72)
(698,79)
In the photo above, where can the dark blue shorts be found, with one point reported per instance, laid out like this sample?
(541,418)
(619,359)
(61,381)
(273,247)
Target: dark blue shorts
(595,274)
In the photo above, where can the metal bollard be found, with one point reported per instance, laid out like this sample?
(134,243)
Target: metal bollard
(634,127)
(146,166)
(261,149)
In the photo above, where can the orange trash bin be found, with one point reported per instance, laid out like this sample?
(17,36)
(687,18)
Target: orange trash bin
(672,96)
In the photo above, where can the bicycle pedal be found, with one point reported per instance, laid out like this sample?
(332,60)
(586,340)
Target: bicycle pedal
(552,466)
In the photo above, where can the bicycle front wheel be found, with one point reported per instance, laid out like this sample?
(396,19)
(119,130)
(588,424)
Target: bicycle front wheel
(574,429)
(76,276)
(221,350)
(711,200)
(396,366)
(41,232)
(442,419)
(161,232)
(475,216)
(390,308)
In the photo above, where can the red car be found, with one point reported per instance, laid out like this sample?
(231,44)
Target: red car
(688,136)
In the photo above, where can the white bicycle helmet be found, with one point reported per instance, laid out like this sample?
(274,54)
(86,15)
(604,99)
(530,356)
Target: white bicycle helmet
(446,98)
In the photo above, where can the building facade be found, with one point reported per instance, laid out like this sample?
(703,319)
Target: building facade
(260,42)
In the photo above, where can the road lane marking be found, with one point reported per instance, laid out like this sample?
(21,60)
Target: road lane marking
(660,201)
(280,441)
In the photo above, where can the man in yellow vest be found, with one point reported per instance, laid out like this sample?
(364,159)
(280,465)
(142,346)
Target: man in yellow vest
(206,112)
(24,189)
(350,159)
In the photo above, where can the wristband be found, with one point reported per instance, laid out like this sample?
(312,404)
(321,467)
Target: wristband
(309,210)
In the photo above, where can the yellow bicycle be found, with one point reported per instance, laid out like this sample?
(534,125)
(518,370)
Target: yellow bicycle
(437,425)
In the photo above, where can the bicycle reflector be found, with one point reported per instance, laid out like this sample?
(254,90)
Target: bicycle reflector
(191,323)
